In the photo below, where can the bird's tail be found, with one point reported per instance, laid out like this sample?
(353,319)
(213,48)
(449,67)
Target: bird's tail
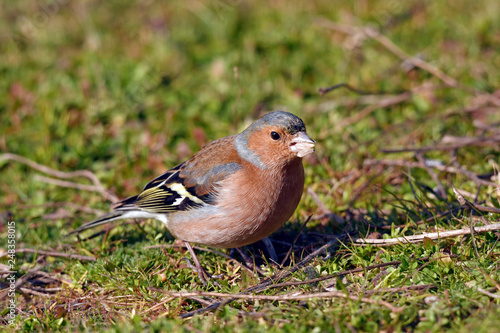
(123,210)
(110,217)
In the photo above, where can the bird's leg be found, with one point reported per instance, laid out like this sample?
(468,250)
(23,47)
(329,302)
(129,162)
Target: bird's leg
(201,272)
(249,262)
(270,249)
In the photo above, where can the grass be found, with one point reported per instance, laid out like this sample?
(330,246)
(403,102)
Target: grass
(127,89)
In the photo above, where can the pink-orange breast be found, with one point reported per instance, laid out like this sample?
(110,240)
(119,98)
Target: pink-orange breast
(250,206)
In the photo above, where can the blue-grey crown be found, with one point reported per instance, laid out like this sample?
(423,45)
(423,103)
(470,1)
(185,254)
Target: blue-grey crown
(286,120)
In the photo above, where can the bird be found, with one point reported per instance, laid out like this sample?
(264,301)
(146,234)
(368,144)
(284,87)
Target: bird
(234,191)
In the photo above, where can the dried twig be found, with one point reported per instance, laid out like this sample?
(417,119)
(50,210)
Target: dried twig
(473,205)
(286,273)
(55,277)
(415,61)
(61,204)
(21,281)
(370,32)
(323,91)
(65,183)
(431,235)
(399,289)
(64,175)
(34,292)
(46,290)
(427,220)
(334,275)
(54,254)
(454,144)
(412,164)
(487,293)
(286,297)
(322,207)
(164,301)
(269,281)
(386,102)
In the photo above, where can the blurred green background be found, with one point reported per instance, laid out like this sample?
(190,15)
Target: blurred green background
(128,89)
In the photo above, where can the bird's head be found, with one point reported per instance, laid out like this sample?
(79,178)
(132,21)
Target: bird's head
(276,138)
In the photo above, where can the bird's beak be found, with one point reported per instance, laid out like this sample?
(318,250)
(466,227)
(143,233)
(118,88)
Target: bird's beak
(302,144)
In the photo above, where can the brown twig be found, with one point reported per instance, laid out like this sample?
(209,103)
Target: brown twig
(286,273)
(65,183)
(415,61)
(34,292)
(323,91)
(430,219)
(54,254)
(386,102)
(46,290)
(412,164)
(286,297)
(21,281)
(64,175)
(269,281)
(431,235)
(24,279)
(55,277)
(164,301)
(322,207)
(398,289)
(487,293)
(59,204)
(458,143)
(473,205)
(370,32)
(334,275)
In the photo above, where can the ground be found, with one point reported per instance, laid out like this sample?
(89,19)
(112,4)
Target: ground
(97,98)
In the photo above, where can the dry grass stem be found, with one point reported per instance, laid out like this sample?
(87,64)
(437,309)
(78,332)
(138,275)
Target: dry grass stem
(369,32)
(286,297)
(54,254)
(431,235)
(64,175)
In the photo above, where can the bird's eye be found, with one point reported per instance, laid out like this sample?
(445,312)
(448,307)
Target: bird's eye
(275,135)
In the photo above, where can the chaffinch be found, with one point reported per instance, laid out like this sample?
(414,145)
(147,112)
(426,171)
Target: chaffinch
(234,191)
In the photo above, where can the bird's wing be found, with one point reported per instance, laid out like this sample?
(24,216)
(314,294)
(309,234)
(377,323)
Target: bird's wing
(189,184)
